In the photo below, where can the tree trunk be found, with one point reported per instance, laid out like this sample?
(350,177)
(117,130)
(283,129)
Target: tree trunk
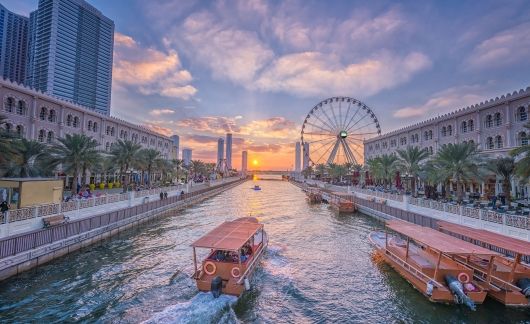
(506,188)
(413,186)
(149,175)
(459,191)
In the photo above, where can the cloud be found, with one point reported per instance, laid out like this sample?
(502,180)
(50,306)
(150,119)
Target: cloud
(313,73)
(160,129)
(445,101)
(150,71)
(158,112)
(214,124)
(504,48)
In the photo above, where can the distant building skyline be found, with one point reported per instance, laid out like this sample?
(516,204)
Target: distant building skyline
(244,162)
(187,156)
(70,50)
(176,146)
(229,151)
(297,157)
(220,151)
(13,45)
(306,156)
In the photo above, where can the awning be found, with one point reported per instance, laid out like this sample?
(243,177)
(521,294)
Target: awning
(437,240)
(491,238)
(229,235)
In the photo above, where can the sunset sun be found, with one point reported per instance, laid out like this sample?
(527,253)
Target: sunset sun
(255,162)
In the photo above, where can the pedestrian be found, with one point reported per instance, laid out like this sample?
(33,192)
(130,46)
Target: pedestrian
(4,207)
(161,195)
(165,195)
(494,202)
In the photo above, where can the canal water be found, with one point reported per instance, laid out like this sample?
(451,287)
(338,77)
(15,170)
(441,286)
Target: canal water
(318,268)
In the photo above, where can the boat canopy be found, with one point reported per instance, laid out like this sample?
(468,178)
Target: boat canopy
(229,236)
(436,240)
(504,242)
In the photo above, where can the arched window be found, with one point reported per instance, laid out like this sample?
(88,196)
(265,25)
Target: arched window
(464,127)
(9,104)
(521,115)
(9,127)
(21,107)
(95,127)
(50,137)
(489,121)
(125,134)
(108,130)
(112,131)
(52,116)
(43,113)
(430,134)
(89,125)
(444,131)
(489,143)
(498,119)
(472,142)
(470,125)
(76,122)
(498,141)
(430,150)
(522,139)
(450,130)
(20,131)
(42,134)
(107,146)
(69,120)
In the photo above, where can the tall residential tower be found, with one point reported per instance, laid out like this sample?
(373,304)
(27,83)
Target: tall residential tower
(244,161)
(70,52)
(186,156)
(13,45)
(220,151)
(306,156)
(297,157)
(229,151)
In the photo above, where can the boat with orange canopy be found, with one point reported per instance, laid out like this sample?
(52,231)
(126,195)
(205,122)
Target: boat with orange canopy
(509,278)
(424,259)
(235,249)
(342,202)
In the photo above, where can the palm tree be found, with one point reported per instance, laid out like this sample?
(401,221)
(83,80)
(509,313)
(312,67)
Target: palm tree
(6,141)
(459,163)
(505,168)
(410,162)
(522,165)
(198,167)
(384,167)
(307,172)
(374,167)
(29,159)
(357,170)
(149,157)
(124,154)
(178,165)
(76,153)
(320,170)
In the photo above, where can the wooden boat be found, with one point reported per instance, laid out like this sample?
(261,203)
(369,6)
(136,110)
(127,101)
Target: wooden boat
(341,202)
(235,249)
(256,187)
(313,196)
(506,275)
(424,259)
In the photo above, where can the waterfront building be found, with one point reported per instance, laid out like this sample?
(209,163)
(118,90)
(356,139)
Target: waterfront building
(220,151)
(306,156)
(37,116)
(13,45)
(70,53)
(176,147)
(244,162)
(297,157)
(229,151)
(495,125)
(186,156)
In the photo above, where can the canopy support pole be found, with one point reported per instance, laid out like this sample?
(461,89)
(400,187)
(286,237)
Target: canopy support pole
(407,252)
(515,262)
(386,239)
(194,263)
(490,268)
(437,264)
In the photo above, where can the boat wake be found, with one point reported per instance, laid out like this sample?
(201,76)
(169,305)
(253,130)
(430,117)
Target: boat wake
(203,308)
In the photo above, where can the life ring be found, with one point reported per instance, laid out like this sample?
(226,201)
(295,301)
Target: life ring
(235,272)
(214,268)
(463,277)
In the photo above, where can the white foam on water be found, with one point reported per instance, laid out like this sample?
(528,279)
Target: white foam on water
(203,308)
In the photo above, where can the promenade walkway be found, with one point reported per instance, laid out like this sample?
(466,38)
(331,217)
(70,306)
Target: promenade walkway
(15,226)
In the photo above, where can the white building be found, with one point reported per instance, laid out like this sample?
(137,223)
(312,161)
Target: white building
(496,125)
(244,162)
(297,157)
(229,151)
(186,156)
(306,156)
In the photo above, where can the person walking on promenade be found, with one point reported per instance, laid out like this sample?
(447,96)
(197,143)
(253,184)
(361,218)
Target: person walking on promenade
(165,195)
(4,207)
(161,195)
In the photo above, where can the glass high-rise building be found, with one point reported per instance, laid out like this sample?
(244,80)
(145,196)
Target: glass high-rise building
(229,151)
(13,45)
(70,52)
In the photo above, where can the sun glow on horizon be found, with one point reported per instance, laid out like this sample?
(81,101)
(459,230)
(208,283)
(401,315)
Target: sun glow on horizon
(254,162)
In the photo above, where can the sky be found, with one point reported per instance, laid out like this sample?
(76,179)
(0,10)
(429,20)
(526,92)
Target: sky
(201,69)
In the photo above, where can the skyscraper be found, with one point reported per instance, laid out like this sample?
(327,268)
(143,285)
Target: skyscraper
(229,151)
(186,156)
(70,52)
(297,157)
(13,45)
(244,162)
(220,151)
(306,156)
(176,146)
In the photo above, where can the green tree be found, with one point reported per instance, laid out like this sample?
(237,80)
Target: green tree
(320,170)
(504,167)
(124,154)
(29,159)
(6,142)
(459,163)
(75,153)
(307,172)
(522,154)
(410,162)
(150,157)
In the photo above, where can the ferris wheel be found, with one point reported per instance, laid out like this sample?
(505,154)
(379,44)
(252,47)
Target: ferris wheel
(334,131)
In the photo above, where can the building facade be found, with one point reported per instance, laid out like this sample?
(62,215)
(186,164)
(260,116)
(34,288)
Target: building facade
(244,162)
(229,151)
(305,163)
(186,156)
(495,125)
(297,156)
(38,116)
(70,53)
(13,45)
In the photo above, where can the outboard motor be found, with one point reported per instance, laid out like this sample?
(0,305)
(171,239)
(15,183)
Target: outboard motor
(458,290)
(524,284)
(217,286)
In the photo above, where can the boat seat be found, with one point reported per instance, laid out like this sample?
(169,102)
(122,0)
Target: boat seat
(420,261)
